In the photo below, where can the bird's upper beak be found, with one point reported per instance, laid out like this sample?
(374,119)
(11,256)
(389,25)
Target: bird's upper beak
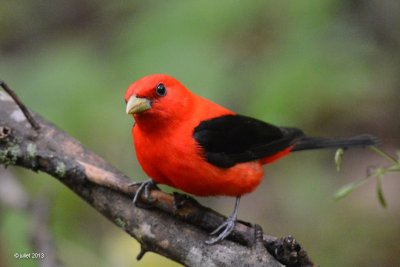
(136,105)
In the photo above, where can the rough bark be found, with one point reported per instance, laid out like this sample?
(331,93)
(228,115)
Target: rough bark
(175,227)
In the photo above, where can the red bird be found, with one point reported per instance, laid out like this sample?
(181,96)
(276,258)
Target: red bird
(188,142)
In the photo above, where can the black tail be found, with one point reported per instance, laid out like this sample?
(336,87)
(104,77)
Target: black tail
(306,143)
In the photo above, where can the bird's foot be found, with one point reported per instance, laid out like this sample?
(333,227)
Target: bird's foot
(226,227)
(224,230)
(144,189)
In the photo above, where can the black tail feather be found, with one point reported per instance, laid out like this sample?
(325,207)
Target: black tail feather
(307,143)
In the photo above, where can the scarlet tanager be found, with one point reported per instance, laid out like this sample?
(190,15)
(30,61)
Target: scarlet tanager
(188,142)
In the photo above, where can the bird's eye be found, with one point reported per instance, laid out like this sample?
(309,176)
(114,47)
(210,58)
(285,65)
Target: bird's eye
(161,90)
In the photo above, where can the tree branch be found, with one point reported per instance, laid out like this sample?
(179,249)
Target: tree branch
(176,227)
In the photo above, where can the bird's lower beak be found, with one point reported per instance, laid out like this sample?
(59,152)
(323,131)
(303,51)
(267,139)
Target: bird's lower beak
(136,105)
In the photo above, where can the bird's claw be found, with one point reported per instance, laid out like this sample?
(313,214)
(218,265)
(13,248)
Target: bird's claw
(226,227)
(224,230)
(144,188)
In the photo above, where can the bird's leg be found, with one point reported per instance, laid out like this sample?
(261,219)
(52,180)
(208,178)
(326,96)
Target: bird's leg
(144,188)
(226,227)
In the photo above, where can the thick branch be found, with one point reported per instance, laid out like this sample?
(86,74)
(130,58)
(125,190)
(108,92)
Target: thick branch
(175,231)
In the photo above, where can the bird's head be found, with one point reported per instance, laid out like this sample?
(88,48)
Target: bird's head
(157,96)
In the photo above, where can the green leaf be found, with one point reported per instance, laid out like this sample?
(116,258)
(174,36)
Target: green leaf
(347,189)
(344,191)
(379,192)
(338,158)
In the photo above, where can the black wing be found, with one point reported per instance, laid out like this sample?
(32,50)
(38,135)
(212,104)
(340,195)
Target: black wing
(232,139)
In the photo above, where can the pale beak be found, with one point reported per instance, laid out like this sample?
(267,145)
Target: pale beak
(136,105)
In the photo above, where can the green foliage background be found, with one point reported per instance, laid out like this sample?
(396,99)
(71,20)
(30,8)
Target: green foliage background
(327,66)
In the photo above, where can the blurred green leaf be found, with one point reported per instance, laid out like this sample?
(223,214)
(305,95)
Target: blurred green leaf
(347,189)
(379,192)
(338,158)
(377,173)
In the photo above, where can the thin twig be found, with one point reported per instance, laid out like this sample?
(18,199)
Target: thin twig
(384,155)
(17,101)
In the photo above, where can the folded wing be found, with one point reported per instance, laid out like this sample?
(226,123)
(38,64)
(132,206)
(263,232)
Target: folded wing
(232,139)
